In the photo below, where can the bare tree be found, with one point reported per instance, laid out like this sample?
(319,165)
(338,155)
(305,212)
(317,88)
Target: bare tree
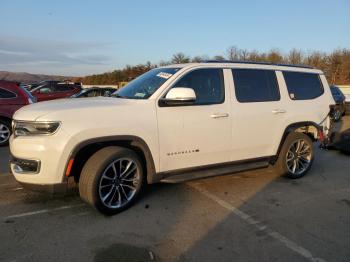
(180,58)
(274,56)
(197,59)
(295,57)
(233,53)
(243,55)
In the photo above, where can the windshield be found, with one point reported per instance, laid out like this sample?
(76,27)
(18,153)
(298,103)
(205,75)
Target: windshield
(145,85)
(81,92)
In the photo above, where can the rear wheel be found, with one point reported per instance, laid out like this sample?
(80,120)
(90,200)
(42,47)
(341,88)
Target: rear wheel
(5,132)
(296,156)
(112,179)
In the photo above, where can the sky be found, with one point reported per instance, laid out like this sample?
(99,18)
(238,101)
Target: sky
(82,37)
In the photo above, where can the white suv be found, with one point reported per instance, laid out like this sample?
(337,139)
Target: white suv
(172,124)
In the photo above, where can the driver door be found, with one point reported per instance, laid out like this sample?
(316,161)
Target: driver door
(197,134)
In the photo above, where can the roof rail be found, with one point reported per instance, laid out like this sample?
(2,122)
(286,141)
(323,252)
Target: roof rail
(254,63)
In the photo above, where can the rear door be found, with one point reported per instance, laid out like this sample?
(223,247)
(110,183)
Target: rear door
(198,134)
(258,113)
(10,101)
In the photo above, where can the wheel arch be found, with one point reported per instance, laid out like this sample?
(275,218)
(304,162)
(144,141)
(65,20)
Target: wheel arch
(307,127)
(6,118)
(85,149)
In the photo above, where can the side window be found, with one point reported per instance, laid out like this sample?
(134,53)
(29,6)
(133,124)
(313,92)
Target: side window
(303,86)
(255,85)
(63,88)
(208,84)
(46,89)
(6,94)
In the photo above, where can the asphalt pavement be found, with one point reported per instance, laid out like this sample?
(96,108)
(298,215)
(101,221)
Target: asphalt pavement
(250,216)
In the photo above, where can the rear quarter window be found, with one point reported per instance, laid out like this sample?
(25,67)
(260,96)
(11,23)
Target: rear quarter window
(303,86)
(5,94)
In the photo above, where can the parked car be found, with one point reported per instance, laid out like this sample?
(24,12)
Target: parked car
(173,124)
(60,90)
(31,86)
(94,92)
(12,97)
(339,99)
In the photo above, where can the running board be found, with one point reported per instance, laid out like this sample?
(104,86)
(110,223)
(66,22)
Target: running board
(185,175)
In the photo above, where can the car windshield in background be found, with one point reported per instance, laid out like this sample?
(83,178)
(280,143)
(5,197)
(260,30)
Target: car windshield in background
(145,85)
(80,93)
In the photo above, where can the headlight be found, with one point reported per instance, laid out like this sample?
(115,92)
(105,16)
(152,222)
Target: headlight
(33,128)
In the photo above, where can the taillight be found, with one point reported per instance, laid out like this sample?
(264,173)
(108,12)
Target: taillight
(321,135)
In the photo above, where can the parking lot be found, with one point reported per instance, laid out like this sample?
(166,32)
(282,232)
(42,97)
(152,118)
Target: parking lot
(250,216)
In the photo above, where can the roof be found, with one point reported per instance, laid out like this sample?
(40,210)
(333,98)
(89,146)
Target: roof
(247,64)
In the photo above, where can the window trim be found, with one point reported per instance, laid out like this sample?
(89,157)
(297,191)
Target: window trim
(10,92)
(319,79)
(266,101)
(161,104)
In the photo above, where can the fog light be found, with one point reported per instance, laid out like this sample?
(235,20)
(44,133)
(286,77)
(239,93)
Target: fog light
(23,166)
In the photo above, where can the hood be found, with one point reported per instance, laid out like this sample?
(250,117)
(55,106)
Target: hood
(66,106)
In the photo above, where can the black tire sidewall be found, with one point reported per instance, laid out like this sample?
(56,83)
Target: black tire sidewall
(97,173)
(281,163)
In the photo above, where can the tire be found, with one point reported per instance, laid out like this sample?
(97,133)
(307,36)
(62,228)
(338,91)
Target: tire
(290,156)
(103,183)
(5,132)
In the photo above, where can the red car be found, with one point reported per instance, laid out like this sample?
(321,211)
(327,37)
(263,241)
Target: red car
(12,98)
(50,91)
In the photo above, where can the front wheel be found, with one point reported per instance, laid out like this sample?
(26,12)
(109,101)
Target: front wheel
(5,132)
(296,156)
(111,179)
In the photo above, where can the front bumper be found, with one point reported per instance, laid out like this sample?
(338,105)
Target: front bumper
(40,160)
(49,188)
(67,185)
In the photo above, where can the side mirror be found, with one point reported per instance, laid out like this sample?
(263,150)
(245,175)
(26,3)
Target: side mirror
(178,96)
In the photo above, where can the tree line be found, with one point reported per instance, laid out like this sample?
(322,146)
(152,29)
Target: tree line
(335,64)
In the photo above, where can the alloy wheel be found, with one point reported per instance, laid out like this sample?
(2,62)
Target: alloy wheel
(119,183)
(4,133)
(299,157)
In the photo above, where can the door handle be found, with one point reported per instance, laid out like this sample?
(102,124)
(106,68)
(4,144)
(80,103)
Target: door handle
(219,115)
(279,111)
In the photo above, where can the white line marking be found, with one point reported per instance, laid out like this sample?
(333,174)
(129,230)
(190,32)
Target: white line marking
(274,234)
(16,189)
(43,211)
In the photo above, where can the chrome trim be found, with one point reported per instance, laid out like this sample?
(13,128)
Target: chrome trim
(40,122)
(14,161)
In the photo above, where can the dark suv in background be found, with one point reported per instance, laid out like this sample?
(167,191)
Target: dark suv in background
(339,99)
(12,98)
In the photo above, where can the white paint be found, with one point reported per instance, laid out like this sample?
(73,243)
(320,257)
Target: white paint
(177,137)
(42,211)
(259,225)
